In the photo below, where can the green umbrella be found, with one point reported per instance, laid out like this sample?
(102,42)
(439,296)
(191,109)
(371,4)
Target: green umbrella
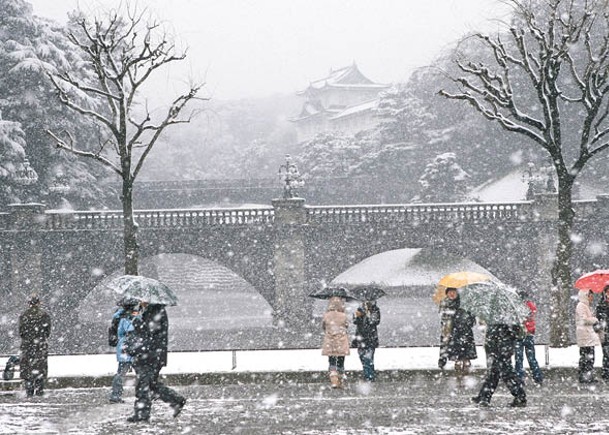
(144,289)
(494,303)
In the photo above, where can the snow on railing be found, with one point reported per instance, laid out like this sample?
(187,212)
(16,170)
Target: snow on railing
(413,213)
(420,212)
(93,220)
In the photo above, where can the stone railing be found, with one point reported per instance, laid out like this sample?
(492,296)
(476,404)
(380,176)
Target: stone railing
(22,216)
(516,211)
(99,220)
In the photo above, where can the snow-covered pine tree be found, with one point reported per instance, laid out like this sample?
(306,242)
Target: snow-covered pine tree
(12,156)
(443,181)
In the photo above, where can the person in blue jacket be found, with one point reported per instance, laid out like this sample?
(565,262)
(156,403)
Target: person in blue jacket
(125,313)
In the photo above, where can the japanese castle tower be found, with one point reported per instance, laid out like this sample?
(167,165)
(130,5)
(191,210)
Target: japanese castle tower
(344,101)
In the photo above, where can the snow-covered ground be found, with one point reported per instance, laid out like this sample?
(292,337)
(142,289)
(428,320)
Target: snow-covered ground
(418,402)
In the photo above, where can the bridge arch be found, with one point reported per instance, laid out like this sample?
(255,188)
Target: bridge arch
(215,304)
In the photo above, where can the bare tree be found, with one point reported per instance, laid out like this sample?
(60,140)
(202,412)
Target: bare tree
(548,79)
(121,51)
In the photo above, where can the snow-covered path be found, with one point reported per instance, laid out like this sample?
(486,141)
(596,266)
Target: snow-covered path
(419,404)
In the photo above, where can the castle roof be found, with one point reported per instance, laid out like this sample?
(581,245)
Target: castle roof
(346,77)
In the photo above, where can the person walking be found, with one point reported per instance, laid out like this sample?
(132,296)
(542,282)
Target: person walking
(602,314)
(499,346)
(124,317)
(147,344)
(336,339)
(457,336)
(34,330)
(526,345)
(585,336)
(366,319)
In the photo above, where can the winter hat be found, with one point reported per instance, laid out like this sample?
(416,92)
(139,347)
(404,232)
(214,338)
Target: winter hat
(128,304)
(34,300)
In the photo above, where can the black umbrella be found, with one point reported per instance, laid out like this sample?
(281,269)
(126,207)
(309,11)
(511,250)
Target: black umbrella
(366,293)
(330,292)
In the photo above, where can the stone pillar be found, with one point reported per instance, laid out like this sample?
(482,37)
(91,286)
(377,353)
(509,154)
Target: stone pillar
(291,300)
(25,251)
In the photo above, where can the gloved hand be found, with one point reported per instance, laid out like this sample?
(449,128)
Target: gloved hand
(441,362)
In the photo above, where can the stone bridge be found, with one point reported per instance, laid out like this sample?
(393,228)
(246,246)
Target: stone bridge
(289,249)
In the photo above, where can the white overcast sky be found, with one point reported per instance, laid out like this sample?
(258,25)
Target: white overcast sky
(256,48)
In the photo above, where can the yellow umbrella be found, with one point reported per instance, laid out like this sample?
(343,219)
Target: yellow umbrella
(456,280)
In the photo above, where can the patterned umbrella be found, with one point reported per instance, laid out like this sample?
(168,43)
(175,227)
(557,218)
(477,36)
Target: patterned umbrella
(494,303)
(143,289)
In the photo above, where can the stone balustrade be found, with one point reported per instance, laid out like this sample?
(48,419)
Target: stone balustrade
(521,211)
(420,212)
(100,220)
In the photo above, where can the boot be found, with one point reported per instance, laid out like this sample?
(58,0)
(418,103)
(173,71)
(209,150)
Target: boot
(335,379)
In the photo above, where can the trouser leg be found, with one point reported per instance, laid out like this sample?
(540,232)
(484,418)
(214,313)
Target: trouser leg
(29,386)
(511,379)
(605,372)
(163,392)
(586,364)
(490,381)
(529,347)
(143,403)
(519,358)
(366,356)
(118,380)
(340,364)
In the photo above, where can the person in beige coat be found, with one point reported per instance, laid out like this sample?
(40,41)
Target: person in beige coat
(586,336)
(335,346)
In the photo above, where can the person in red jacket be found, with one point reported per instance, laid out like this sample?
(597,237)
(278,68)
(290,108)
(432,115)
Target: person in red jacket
(526,344)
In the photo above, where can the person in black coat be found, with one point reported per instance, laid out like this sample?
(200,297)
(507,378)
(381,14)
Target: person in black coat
(457,337)
(499,346)
(149,350)
(34,330)
(366,319)
(602,314)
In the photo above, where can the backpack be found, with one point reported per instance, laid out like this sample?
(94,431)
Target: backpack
(113,329)
(9,370)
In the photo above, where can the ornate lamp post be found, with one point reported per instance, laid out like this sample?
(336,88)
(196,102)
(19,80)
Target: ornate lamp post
(290,177)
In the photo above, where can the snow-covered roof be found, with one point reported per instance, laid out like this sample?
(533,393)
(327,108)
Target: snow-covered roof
(406,267)
(511,187)
(346,77)
(358,108)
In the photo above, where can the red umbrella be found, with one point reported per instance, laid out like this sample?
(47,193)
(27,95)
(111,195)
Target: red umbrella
(595,281)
